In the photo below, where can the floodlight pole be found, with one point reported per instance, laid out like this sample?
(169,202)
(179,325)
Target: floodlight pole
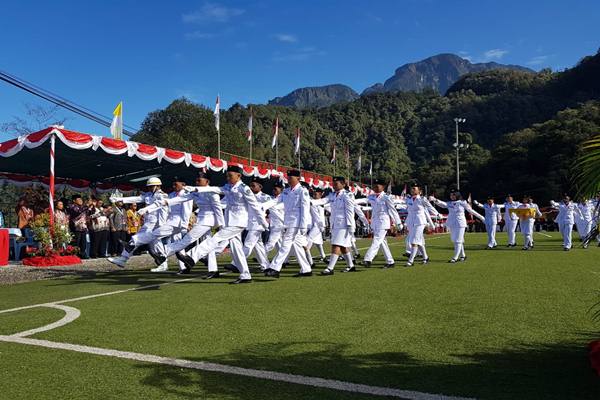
(457,145)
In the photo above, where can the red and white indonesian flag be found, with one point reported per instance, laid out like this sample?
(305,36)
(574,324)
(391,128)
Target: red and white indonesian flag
(249,131)
(116,127)
(297,141)
(275,132)
(333,155)
(217,114)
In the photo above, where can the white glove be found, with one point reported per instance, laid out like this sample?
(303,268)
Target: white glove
(431,198)
(142,211)
(399,226)
(114,199)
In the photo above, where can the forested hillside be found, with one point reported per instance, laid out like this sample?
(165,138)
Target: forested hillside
(523,129)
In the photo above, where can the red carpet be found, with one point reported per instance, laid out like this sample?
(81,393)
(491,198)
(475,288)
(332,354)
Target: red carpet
(52,261)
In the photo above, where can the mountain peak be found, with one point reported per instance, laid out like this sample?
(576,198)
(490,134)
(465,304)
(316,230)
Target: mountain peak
(316,96)
(437,72)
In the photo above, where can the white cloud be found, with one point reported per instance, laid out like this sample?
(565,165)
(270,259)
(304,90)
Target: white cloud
(286,38)
(537,60)
(211,12)
(494,54)
(198,35)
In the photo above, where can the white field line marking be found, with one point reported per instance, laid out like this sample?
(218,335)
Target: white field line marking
(227,369)
(71,314)
(92,296)
(543,234)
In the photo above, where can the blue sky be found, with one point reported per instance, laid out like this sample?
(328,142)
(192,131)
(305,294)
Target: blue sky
(148,53)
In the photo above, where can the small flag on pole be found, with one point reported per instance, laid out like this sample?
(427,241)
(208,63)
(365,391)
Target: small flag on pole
(116,127)
(297,142)
(371,169)
(217,114)
(249,131)
(403,194)
(275,132)
(333,155)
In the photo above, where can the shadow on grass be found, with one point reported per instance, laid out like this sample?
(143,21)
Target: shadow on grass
(526,371)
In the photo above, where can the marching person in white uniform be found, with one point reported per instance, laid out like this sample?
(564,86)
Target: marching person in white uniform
(238,199)
(276,215)
(493,216)
(419,216)
(565,219)
(254,230)
(510,219)
(457,222)
(527,221)
(315,233)
(342,225)
(296,202)
(584,219)
(151,220)
(363,219)
(209,215)
(382,209)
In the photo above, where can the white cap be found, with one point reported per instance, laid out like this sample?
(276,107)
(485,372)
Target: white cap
(154,181)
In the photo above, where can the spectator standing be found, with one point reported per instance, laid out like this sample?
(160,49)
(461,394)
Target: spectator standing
(100,225)
(78,214)
(134,221)
(119,228)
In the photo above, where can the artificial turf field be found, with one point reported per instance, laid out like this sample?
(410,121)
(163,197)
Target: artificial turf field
(506,324)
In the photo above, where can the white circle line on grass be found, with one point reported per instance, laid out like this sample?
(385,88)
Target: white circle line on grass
(231,370)
(71,314)
(93,296)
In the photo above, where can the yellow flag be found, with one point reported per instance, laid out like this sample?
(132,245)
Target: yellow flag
(116,127)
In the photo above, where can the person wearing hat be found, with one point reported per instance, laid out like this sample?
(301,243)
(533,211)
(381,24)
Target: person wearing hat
(276,216)
(342,225)
(209,215)
(238,200)
(493,216)
(296,204)
(151,221)
(419,212)
(510,219)
(565,219)
(382,209)
(315,233)
(457,222)
(584,220)
(254,230)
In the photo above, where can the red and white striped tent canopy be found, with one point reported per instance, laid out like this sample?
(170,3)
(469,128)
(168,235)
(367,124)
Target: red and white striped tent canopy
(83,160)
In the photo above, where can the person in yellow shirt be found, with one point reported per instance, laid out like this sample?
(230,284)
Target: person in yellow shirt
(134,220)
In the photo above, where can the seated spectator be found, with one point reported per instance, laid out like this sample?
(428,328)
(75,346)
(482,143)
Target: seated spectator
(24,216)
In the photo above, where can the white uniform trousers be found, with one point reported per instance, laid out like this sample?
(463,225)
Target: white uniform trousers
(212,258)
(254,242)
(142,237)
(583,228)
(274,241)
(233,234)
(490,228)
(192,236)
(511,227)
(291,239)
(527,231)
(379,240)
(566,230)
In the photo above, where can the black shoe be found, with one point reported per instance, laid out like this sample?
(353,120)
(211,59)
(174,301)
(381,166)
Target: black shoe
(357,256)
(349,269)
(409,264)
(158,258)
(240,280)
(211,275)
(425,261)
(312,266)
(284,265)
(327,272)
(184,271)
(367,264)
(127,246)
(271,273)
(204,261)
(566,249)
(255,260)
(406,254)
(302,274)
(231,267)
(452,261)
(186,260)
(387,266)
(462,259)
(323,260)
